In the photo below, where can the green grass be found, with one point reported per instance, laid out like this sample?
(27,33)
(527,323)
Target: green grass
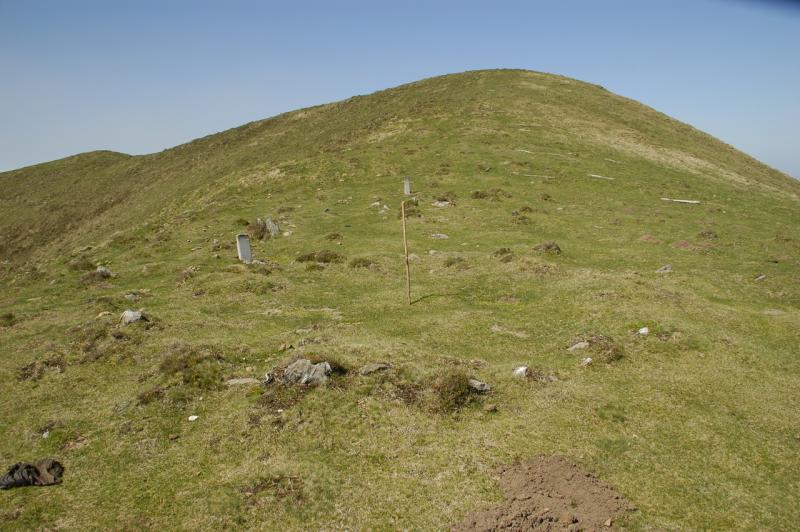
(696,423)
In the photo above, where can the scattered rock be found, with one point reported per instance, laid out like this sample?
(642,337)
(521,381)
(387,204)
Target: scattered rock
(413,256)
(521,372)
(479,386)
(667,268)
(272,227)
(132,316)
(441,203)
(305,373)
(439,236)
(586,362)
(608,522)
(580,345)
(103,314)
(644,331)
(242,381)
(374,368)
(266,379)
(491,407)
(104,272)
(761,277)
(194,418)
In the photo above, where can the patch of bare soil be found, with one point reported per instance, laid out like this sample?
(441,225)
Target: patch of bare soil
(549,493)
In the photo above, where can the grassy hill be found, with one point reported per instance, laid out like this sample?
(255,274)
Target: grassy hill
(695,423)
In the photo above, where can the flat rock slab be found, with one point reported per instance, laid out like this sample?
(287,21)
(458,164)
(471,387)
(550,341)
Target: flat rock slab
(243,381)
(580,345)
(374,368)
(479,387)
(549,493)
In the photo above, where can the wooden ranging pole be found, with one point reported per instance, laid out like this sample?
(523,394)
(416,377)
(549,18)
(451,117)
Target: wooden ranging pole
(405,247)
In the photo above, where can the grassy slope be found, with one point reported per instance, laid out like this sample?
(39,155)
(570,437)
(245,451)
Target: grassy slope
(699,430)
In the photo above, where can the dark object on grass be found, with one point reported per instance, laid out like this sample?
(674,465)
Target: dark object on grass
(44,472)
(548,247)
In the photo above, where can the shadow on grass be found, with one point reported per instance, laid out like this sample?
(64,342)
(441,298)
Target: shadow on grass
(431,296)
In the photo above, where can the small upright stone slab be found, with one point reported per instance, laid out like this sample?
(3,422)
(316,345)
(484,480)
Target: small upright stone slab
(272,228)
(243,248)
(406,186)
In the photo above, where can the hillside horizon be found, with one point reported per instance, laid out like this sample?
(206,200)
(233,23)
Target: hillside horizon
(124,153)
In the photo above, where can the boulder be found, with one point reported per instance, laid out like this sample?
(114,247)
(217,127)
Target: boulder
(667,268)
(521,372)
(132,316)
(304,372)
(479,387)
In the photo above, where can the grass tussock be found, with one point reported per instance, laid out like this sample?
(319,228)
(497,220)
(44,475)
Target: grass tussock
(80,263)
(279,487)
(36,369)
(549,248)
(492,194)
(322,257)
(7,319)
(194,366)
(446,392)
(362,262)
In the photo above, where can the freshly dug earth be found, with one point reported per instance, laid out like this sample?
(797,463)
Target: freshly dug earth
(549,493)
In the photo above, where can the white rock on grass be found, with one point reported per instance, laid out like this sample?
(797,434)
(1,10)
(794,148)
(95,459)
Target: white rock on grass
(521,372)
(644,331)
(577,346)
(586,362)
(194,418)
(439,236)
(374,368)
(667,268)
(242,381)
(131,316)
(104,272)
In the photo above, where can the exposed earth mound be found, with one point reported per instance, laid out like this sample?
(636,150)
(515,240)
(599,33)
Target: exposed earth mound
(549,493)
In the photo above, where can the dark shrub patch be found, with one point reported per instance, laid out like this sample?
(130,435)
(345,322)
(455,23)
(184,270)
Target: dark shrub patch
(80,263)
(146,397)
(258,230)
(279,486)
(36,369)
(455,261)
(324,256)
(362,262)
(548,247)
(447,391)
(7,319)
(493,194)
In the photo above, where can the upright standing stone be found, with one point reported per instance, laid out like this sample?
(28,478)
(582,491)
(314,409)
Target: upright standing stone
(243,248)
(272,228)
(406,186)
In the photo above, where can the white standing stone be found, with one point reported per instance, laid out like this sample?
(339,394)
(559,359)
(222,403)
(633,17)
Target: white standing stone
(243,248)
(406,186)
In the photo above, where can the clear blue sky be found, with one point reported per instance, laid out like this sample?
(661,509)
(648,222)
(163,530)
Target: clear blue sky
(141,76)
